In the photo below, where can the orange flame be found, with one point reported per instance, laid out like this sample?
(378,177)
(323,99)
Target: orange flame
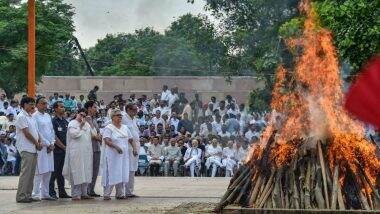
(308,103)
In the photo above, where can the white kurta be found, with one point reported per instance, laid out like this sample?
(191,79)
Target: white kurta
(240,154)
(229,158)
(193,155)
(78,161)
(134,129)
(115,168)
(45,161)
(214,155)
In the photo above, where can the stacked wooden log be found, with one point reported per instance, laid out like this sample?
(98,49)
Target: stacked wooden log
(306,182)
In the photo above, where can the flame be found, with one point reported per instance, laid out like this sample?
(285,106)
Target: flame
(307,103)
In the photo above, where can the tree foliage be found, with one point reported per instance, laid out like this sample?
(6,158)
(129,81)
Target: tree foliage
(190,46)
(53,31)
(356,28)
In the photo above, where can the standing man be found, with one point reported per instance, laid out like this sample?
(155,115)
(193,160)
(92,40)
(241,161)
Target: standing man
(165,93)
(27,142)
(91,109)
(134,147)
(92,95)
(45,160)
(60,129)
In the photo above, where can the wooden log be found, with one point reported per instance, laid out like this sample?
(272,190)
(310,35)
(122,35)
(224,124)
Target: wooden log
(340,199)
(231,191)
(266,188)
(266,195)
(276,195)
(237,189)
(318,189)
(363,201)
(243,190)
(323,168)
(313,182)
(307,184)
(282,196)
(255,190)
(375,191)
(295,194)
(367,194)
(301,185)
(334,192)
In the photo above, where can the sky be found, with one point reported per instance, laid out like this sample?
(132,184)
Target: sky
(96,18)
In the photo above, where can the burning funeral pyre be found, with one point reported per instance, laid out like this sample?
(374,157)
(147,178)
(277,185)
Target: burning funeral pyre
(312,155)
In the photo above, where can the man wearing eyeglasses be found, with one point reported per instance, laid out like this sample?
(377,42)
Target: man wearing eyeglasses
(134,147)
(27,142)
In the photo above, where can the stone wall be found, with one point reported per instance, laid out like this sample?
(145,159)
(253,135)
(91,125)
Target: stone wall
(110,86)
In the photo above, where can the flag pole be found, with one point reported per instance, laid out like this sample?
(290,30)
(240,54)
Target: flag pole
(31,49)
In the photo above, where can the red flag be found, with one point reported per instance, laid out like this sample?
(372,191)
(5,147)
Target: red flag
(363,98)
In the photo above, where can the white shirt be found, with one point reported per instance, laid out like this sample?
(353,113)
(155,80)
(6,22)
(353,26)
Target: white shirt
(212,151)
(172,99)
(240,153)
(166,110)
(156,121)
(228,153)
(165,95)
(2,104)
(45,128)
(174,122)
(12,151)
(135,132)
(216,127)
(203,129)
(227,134)
(25,120)
(249,134)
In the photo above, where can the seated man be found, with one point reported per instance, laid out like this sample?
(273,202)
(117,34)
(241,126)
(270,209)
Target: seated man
(213,155)
(156,155)
(229,159)
(240,153)
(192,157)
(172,157)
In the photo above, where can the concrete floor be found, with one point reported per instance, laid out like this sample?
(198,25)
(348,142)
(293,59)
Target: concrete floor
(157,195)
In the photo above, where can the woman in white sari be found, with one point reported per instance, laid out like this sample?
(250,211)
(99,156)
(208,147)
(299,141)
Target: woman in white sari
(115,166)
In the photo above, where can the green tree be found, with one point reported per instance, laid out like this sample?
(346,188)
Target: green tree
(53,30)
(200,33)
(356,28)
(190,46)
(126,54)
(250,28)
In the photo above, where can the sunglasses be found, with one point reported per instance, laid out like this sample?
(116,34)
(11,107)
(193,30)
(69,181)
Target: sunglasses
(83,115)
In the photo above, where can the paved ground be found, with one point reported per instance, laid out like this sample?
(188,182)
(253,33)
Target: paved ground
(157,195)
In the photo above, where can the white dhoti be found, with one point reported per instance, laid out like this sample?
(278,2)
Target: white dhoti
(213,162)
(229,164)
(193,163)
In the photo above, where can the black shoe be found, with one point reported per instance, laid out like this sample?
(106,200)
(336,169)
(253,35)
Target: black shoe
(25,201)
(65,196)
(94,195)
(54,196)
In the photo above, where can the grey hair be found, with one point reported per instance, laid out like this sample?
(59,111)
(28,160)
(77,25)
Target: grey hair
(114,112)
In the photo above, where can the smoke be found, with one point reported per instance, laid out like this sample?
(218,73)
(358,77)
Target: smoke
(318,119)
(96,18)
